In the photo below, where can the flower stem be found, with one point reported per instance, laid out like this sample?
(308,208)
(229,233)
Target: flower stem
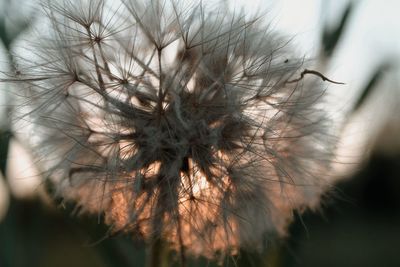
(157,254)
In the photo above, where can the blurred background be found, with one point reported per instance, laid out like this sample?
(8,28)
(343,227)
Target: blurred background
(355,42)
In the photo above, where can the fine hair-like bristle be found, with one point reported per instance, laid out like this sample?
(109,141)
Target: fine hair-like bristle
(175,121)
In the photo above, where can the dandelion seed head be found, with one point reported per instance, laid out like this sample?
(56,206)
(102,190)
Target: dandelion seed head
(175,120)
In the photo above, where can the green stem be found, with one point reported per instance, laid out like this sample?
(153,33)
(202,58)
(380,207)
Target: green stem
(157,254)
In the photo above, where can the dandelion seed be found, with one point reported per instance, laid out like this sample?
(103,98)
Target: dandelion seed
(176,121)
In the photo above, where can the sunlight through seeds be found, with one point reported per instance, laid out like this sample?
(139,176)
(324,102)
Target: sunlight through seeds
(176,120)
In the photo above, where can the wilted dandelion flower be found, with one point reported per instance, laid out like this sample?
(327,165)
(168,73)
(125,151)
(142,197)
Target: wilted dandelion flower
(175,121)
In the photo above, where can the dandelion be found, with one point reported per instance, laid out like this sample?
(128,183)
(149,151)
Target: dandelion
(175,120)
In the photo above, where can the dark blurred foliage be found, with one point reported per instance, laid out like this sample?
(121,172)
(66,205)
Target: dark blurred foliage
(33,235)
(370,86)
(331,37)
(4,142)
(359,226)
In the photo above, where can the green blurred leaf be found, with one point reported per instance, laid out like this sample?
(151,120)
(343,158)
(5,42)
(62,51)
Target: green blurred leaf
(330,38)
(370,87)
(4,144)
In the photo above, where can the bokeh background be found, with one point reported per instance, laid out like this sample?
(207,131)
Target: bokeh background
(355,42)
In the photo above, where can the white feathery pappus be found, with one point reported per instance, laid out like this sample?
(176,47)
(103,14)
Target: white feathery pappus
(176,120)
